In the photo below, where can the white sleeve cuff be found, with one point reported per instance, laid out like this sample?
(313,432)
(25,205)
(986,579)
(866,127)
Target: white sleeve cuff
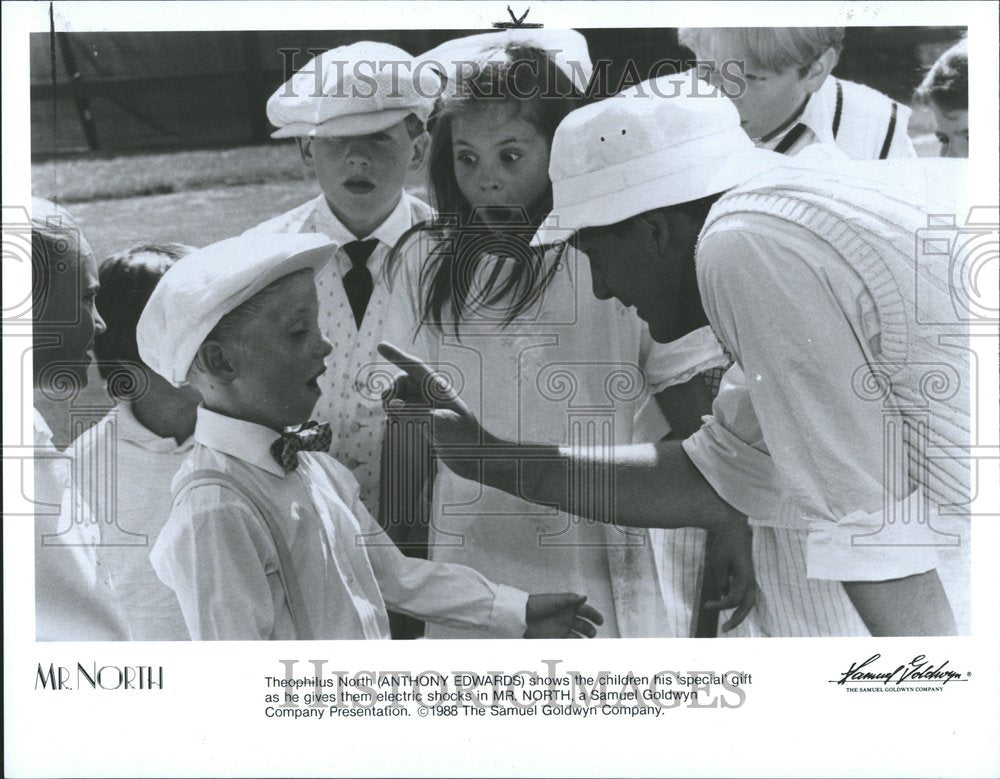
(679,361)
(509,616)
(863,547)
(744,477)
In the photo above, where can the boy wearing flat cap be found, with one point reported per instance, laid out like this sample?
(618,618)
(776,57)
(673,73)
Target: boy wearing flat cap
(357,113)
(823,431)
(268,537)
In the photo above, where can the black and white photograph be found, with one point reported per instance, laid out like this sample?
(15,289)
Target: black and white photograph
(437,322)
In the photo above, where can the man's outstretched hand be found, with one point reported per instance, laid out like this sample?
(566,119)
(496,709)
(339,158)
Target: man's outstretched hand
(421,389)
(561,615)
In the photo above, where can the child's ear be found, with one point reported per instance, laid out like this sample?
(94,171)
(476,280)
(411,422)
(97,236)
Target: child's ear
(821,69)
(420,144)
(305,151)
(215,363)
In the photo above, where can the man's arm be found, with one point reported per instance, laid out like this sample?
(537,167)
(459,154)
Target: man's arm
(638,485)
(912,606)
(684,405)
(643,485)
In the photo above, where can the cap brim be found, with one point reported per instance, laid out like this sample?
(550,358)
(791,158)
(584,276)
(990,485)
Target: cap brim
(344,126)
(681,186)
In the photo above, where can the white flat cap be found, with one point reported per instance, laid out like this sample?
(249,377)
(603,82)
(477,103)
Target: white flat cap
(567,48)
(201,288)
(353,90)
(657,144)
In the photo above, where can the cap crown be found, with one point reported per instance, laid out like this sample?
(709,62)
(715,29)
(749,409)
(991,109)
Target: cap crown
(672,121)
(567,48)
(348,90)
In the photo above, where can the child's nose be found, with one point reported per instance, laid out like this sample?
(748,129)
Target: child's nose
(358,154)
(99,324)
(489,182)
(324,347)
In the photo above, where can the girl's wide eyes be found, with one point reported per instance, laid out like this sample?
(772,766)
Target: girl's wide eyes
(465,158)
(510,155)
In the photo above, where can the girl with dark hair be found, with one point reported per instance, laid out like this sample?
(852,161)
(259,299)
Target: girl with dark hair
(517,328)
(132,454)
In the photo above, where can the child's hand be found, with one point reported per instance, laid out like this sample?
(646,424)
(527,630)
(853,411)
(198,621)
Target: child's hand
(561,615)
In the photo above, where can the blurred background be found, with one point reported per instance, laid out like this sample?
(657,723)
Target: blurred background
(141,118)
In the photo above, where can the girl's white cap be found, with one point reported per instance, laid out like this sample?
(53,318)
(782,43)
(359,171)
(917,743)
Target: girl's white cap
(567,49)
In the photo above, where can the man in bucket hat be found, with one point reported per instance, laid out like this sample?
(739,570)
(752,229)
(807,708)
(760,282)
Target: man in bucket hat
(806,272)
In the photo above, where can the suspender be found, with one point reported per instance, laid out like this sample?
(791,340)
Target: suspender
(890,131)
(838,110)
(267,511)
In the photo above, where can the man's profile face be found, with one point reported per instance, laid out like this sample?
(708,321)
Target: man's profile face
(647,262)
(65,318)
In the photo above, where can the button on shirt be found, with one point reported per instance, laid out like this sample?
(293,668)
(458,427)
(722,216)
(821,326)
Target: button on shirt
(217,554)
(351,399)
(122,454)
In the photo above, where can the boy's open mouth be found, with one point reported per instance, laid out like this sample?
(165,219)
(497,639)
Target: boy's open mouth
(358,186)
(313,383)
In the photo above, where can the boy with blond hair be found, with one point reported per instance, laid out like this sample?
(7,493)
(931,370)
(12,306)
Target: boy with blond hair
(268,537)
(780,81)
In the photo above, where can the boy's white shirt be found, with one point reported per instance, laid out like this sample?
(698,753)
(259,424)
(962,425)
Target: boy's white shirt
(864,121)
(351,400)
(217,554)
(144,467)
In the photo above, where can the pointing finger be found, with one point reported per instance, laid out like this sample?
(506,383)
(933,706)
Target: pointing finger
(414,366)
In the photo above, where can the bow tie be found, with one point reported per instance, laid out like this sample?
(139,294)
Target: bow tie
(311,437)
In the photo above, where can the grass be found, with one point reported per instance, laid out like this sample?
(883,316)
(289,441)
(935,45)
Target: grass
(86,179)
(80,180)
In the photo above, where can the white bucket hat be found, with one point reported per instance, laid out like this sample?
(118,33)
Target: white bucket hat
(651,146)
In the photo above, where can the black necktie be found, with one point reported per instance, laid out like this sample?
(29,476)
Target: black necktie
(358,281)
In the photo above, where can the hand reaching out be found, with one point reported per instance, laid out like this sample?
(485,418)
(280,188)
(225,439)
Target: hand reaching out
(561,615)
(422,390)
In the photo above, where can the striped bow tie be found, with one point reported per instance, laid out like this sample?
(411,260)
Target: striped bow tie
(311,437)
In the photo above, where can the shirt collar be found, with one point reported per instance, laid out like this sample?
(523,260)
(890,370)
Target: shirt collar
(132,430)
(818,113)
(237,438)
(389,232)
